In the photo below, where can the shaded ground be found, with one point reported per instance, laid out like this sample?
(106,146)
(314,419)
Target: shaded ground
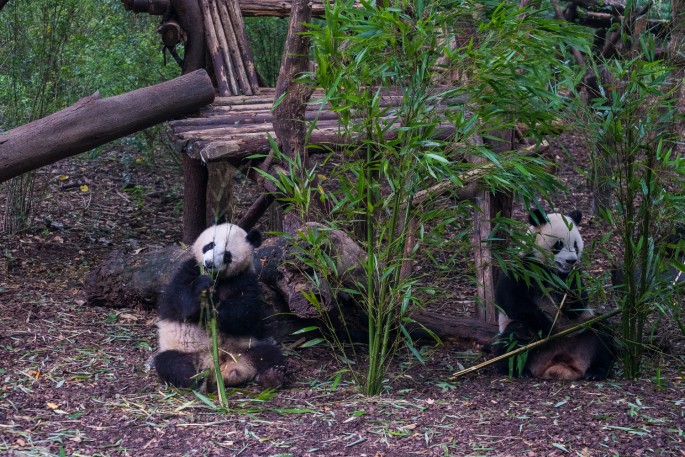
(73,379)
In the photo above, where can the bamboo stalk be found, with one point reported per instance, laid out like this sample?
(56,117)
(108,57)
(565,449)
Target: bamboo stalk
(535,344)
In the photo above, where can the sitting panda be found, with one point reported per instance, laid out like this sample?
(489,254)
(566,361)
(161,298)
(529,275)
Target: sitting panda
(226,252)
(530,311)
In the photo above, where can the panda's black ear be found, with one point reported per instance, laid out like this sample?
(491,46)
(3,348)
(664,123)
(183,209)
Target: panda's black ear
(537,218)
(254,237)
(576,216)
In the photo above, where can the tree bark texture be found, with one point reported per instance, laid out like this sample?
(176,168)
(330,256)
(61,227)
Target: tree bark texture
(189,16)
(289,116)
(485,281)
(93,121)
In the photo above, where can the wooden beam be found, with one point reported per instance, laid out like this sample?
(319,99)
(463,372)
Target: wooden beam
(94,121)
(277,8)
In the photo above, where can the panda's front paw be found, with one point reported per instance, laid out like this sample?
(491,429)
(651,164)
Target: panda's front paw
(595,375)
(273,377)
(202,283)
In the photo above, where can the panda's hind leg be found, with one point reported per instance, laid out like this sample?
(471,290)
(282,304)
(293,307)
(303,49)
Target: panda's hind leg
(177,368)
(602,350)
(269,363)
(260,361)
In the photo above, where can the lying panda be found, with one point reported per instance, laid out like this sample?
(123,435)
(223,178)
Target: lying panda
(226,252)
(529,312)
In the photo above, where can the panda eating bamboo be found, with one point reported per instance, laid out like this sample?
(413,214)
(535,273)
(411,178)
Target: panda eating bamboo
(529,311)
(225,251)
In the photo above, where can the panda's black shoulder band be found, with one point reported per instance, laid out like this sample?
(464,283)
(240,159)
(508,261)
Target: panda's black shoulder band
(254,237)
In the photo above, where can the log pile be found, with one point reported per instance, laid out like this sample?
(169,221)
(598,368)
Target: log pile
(236,127)
(228,48)
(275,8)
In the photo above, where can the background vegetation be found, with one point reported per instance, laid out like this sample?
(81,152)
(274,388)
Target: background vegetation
(513,66)
(54,53)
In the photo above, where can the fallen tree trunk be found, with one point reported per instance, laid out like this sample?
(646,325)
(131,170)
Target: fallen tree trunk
(128,280)
(94,121)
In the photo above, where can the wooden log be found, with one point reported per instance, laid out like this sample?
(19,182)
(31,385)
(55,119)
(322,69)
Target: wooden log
(236,130)
(266,95)
(94,121)
(223,47)
(241,146)
(215,55)
(190,17)
(125,280)
(233,49)
(485,282)
(277,8)
(463,327)
(195,180)
(243,47)
(293,95)
(237,119)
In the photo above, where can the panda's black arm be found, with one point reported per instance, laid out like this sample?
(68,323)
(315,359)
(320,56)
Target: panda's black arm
(180,300)
(577,302)
(241,310)
(517,301)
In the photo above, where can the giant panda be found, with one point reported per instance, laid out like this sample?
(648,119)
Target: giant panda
(225,252)
(529,310)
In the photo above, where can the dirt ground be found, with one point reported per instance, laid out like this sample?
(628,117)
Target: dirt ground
(74,379)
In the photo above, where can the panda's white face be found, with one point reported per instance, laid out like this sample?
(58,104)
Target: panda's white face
(226,249)
(560,240)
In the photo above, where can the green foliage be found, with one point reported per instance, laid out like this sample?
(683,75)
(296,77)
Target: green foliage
(53,53)
(633,121)
(389,189)
(267,40)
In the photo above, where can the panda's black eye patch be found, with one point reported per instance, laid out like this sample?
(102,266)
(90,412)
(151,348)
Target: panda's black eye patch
(558,246)
(207,247)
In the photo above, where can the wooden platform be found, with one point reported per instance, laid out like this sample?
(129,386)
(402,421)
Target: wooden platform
(236,127)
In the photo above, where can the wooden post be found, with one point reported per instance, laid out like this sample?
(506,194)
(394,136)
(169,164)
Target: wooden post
(485,306)
(194,172)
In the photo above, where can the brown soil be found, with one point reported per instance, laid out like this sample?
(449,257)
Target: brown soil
(74,379)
